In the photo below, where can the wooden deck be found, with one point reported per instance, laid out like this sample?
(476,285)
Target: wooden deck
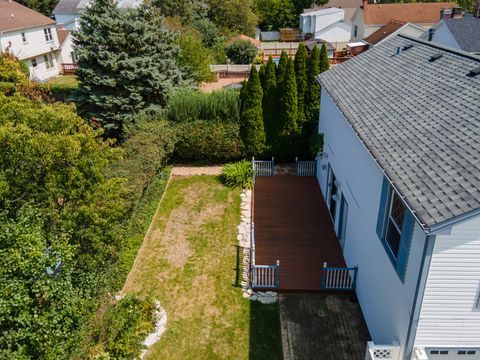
(293,225)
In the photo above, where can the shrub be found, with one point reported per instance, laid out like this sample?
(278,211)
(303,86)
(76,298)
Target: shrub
(12,69)
(208,142)
(241,52)
(189,105)
(238,175)
(123,328)
(63,92)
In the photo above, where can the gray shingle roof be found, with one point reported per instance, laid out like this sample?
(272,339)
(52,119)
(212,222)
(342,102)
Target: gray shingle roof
(466,32)
(419,119)
(70,7)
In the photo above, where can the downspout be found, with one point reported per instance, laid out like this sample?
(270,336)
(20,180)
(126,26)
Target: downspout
(418,297)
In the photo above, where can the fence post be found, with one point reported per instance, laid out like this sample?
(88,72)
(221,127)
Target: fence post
(354,282)
(273,166)
(296,166)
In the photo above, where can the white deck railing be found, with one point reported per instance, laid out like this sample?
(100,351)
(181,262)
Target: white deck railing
(263,167)
(305,168)
(381,352)
(339,278)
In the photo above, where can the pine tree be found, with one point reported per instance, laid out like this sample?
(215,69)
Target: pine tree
(312,95)
(282,65)
(301,75)
(324,63)
(251,127)
(127,61)
(270,103)
(289,102)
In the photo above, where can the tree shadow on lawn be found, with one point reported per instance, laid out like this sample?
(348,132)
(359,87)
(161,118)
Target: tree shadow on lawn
(265,335)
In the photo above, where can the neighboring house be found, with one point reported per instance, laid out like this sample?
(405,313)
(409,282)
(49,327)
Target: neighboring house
(328,25)
(67,12)
(463,34)
(66,56)
(31,37)
(371,17)
(341,4)
(401,171)
(393,28)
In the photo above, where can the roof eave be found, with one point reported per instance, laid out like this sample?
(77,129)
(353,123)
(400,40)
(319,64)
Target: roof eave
(27,27)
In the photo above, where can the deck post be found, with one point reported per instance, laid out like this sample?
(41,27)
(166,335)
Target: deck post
(296,165)
(273,166)
(277,279)
(354,282)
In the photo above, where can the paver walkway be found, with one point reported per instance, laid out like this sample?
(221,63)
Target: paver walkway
(322,327)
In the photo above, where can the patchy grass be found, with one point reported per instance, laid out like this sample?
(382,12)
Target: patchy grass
(189,263)
(66,80)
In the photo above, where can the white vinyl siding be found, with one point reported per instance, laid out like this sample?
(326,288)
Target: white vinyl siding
(450,315)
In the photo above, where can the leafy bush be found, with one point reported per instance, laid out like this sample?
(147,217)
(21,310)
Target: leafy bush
(123,328)
(208,142)
(12,69)
(189,105)
(241,52)
(238,175)
(63,92)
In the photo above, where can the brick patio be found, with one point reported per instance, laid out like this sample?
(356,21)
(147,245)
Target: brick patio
(322,327)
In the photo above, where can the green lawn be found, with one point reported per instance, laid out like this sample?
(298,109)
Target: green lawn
(189,262)
(67,80)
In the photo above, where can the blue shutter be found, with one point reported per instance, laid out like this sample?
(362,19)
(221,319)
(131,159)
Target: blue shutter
(383,208)
(405,240)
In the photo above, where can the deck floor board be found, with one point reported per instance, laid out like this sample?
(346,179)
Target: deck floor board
(293,225)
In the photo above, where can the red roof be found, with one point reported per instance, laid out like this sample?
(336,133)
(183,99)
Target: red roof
(384,31)
(416,13)
(14,16)
(62,35)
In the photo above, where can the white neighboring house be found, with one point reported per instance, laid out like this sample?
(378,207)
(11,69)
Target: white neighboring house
(327,25)
(66,54)
(401,171)
(31,37)
(67,12)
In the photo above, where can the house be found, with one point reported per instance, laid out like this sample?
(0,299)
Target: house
(331,25)
(463,33)
(371,17)
(393,28)
(400,173)
(31,37)
(67,12)
(66,56)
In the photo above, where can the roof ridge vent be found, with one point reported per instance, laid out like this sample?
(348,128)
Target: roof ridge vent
(408,46)
(436,57)
(474,72)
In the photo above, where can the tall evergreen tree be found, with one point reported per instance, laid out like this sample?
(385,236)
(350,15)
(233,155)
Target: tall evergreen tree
(251,124)
(282,65)
(324,63)
(301,75)
(312,95)
(270,102)
(289,102)
(127,61)
(261,74)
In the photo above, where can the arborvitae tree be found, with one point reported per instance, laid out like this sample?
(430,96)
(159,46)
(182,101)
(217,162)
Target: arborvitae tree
(127,61)
(289,102)
(324,63)
(282,65)
(251,126)
(301,75)
(312,95)
(261,75)
(270,100)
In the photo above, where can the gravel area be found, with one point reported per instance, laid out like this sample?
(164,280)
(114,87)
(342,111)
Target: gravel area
(196,170)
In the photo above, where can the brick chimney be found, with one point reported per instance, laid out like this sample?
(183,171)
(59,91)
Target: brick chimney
(364,4)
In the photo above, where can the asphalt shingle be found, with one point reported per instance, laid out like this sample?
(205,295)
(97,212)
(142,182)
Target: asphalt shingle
(419,119)
(466,32)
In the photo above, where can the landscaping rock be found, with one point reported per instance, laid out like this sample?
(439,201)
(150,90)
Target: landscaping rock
(160,327)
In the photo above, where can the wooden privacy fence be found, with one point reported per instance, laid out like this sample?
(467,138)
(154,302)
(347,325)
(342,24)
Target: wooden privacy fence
(263,167)
(339,278)
(305,168)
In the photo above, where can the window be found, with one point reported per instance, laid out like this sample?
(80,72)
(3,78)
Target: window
(48,61)
(24,38)
(48,34)
(355,31)
(73,56)
(395,228)
(393,232)
(34,62)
